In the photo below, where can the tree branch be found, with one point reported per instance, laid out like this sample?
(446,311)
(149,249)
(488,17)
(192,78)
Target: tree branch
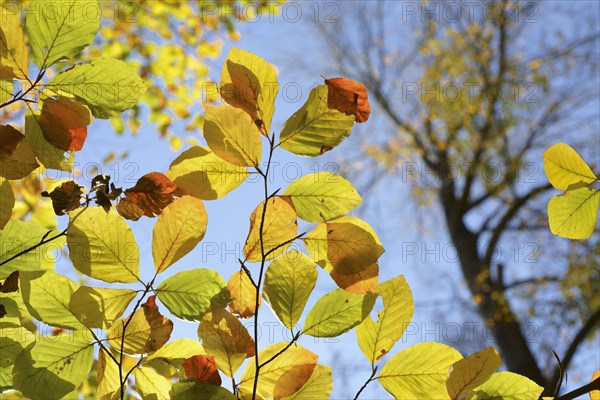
(593,385)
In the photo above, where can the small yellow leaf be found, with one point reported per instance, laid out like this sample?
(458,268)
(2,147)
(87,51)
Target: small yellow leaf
(565,168)
(243,295)
(472,371)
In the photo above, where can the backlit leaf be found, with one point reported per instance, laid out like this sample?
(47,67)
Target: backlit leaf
(99,307)
(194,390)
(376,338)
(14,238)
(250,83)
(322,196)
(151,193)
(151,385)
(573,215)
(507,385)
(232,135)
(283,376)
(289,281)
(189,294)
(66,197)
(10,138)
(419,372)
(224,337)
(318,385)
(472,371)
(201,173)
(17,159)
(362,282)
(202,368)
(337,312)
(146,332)
(107,86)
(48,155)
(13,338)
(7,202)
(61,30)
(109,387)
(180,227)
(349,97)
(243,295)
(345,246)
(595,394)
(176,352)
(64,123)
(53,367)
(101,245)
(278,227)
(11,283)
(47,295)
(565,169)
(13,52)
(315,128)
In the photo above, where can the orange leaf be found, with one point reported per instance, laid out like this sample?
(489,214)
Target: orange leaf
(66,197)
(362,282)
(9,140)
(64,123)
(151,193)
(349,97)
(203,368)
(292,380)
(243,295)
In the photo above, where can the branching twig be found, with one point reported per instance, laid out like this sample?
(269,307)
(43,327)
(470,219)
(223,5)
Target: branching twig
(593,385)
(371,378)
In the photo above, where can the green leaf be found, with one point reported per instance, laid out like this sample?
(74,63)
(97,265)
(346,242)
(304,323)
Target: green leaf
(47,296)
(318,386)
(289,281)
(250,83)
(232,135)
(337,312)
(507,386)
(101,245)
(419,372)
(180,227)
(176,352)
(315,129)
(279,228)
(194,390)
(53,366)
(61,29)
(189,294)
(283,376)
(472,371)
(322,196)
(100,307)
(13,51)
(376,339)
(565,169)
(224,337)
(202,174)
(573,215)
(51,157)
(150,385)
(107,86)
(347,245)
(7,202)
(13,338)
(16,237)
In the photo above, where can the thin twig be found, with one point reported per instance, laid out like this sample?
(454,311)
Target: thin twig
(593,385)
(561,374)
(280,352)
(371,378)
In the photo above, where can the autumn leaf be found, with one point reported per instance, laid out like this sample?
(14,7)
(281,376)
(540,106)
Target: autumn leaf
(151,193)
(243,295)
(105,191)
(64,123)
(349,97)
(17,159)
(9,140)
(203,368)
(66,197)
(11,283)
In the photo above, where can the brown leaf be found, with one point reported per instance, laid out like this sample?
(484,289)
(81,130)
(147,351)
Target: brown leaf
(105,192)
(11,283)
(151,193)
(203,368)
(9,140)
(349,97)
(66,197)
(64,123)
(2,311)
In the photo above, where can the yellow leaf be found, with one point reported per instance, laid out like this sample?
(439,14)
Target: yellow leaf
(472,371)
(507,385)
(243,295)
(318,385)
(282,377)
(180,227)
(150,384)
(109,387)
(279,226)
(99,307)
(13,52)
(224,337)
(573,215)
(376,339)
(595,394)
(565,169)
(7,202)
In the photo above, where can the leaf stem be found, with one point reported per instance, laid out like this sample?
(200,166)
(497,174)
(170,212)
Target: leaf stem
(371,378)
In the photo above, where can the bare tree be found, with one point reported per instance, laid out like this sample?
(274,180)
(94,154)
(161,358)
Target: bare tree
(477,91)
